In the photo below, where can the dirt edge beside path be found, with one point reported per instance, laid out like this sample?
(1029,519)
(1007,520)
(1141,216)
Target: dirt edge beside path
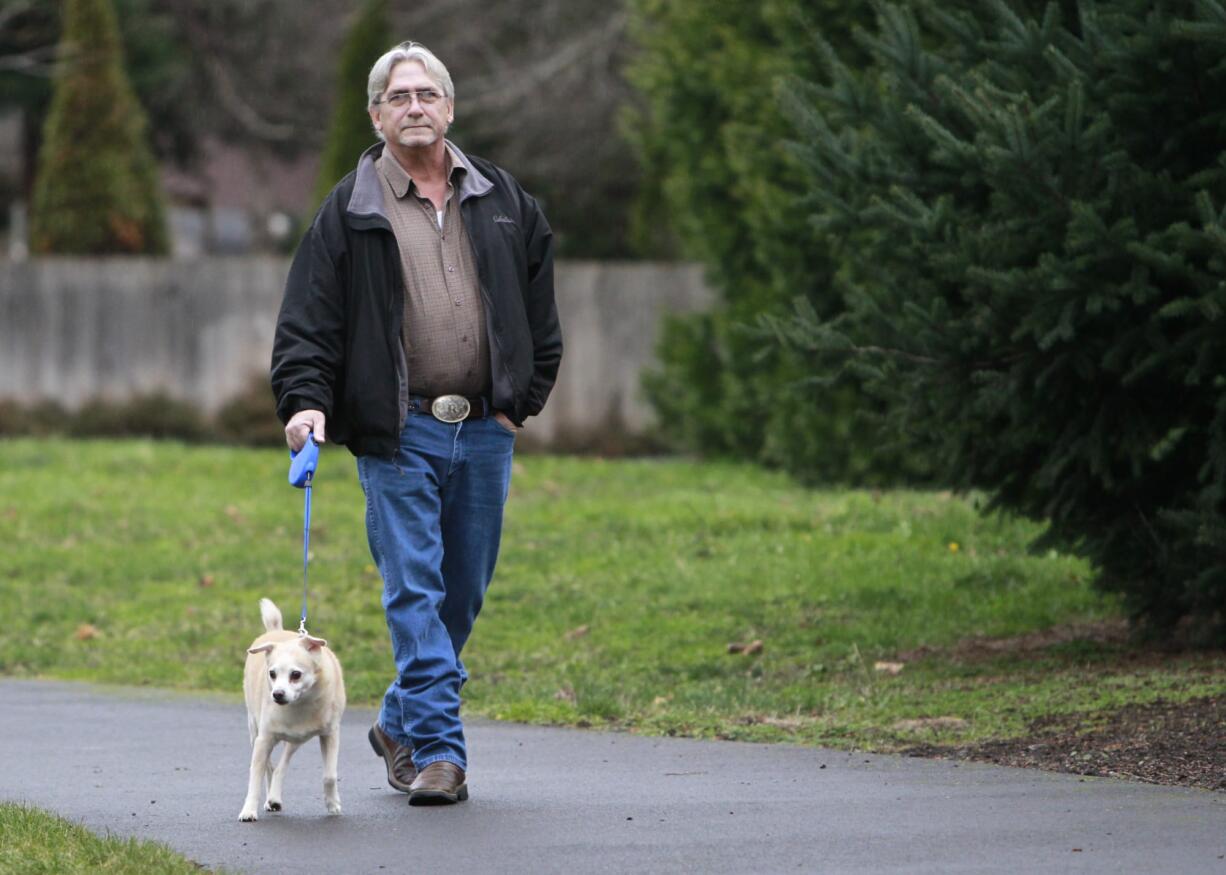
(1181,743)
(1176,743)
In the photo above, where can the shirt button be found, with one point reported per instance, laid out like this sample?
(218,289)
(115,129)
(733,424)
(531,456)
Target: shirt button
(450,269)
(458,302)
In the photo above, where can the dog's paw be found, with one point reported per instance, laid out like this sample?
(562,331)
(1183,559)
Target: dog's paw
(334,808)
(272,805)
(247,815)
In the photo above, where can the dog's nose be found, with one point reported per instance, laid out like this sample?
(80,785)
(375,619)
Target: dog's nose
(279,697)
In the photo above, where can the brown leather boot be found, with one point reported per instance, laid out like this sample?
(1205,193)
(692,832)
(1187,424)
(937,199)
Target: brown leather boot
(440,783)
(397,757)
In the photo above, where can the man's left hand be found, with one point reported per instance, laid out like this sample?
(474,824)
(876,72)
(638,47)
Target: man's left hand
(505,422)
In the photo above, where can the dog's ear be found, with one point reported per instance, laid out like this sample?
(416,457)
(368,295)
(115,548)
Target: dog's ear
(312,643)
(263,648)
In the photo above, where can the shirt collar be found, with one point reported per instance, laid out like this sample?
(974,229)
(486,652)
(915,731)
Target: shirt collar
(400,181)
(366,200)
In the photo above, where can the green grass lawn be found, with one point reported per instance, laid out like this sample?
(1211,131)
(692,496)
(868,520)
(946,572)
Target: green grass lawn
(37,843)
(620,588)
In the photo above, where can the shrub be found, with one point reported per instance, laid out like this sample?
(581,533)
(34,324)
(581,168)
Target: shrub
(251,417)
(41,418)
(155,415)
(97,189)
(1036,285)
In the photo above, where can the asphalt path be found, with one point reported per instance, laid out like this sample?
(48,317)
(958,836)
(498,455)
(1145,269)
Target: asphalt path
(172,768)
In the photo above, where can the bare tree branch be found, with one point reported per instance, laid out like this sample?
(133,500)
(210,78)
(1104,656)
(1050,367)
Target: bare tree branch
(12,10)
(233,103)
(241,48)
(501,90)
(35,62)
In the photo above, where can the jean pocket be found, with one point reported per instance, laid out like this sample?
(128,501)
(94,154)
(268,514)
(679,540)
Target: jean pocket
(498,422)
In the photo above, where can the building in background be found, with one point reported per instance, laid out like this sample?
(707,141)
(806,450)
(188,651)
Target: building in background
(238,201)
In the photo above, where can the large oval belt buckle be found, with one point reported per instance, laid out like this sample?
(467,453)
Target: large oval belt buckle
(450,408)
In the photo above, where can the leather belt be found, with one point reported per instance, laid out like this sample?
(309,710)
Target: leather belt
(451,408)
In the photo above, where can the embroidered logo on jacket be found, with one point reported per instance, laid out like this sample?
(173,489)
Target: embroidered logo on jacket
(499,217)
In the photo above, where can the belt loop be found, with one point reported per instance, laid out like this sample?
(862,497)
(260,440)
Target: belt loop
(485,407)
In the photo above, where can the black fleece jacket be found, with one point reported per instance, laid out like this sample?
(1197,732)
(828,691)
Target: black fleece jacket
(338,339)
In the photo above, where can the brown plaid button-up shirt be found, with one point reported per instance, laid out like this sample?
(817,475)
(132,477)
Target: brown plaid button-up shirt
(444,337)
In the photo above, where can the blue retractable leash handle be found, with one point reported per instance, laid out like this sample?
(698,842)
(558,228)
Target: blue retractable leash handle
(302,467)
(303,463)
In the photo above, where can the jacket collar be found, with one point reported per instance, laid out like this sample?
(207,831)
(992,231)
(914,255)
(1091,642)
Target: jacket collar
(367,197)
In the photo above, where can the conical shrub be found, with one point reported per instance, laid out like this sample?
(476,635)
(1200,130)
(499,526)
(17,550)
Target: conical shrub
(97,190)
(350,132)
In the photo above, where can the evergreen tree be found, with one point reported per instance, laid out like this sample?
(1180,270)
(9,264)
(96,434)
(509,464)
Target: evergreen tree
(154,59)
(1036,283)
(350,132)
(97,189)
(710,135)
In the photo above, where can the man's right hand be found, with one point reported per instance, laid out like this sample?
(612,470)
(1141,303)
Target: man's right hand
(301,424)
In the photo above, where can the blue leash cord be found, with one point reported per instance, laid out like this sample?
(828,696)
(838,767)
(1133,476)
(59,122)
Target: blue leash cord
(301,472)
(306,552)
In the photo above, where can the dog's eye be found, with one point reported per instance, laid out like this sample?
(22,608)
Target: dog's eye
(273,675)
(295,675)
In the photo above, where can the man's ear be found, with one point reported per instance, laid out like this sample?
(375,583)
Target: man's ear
(311,643)
(263,648)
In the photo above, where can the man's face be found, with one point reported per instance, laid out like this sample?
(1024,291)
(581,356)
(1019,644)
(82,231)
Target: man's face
(415,124)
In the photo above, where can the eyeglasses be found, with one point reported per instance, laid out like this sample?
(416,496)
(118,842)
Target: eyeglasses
(404,98)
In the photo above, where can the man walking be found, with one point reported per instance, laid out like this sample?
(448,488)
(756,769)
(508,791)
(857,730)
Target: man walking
(419,325)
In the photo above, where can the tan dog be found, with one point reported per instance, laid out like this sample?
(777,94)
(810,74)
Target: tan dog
(295,692)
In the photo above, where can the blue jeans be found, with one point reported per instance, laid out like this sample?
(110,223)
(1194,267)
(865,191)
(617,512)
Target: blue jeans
(434,521)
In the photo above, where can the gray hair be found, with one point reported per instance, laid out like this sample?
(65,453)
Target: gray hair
(407,51)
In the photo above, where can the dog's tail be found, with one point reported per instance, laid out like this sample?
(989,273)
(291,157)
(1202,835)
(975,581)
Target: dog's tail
(270,615)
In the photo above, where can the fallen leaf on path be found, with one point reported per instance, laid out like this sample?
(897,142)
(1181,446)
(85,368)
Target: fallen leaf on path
(931,723)
(85,632)
(792,722)
(889,667)
(752,647)
(784,722)
(577,632)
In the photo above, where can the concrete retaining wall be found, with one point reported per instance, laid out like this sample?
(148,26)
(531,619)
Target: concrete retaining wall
(200,330)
